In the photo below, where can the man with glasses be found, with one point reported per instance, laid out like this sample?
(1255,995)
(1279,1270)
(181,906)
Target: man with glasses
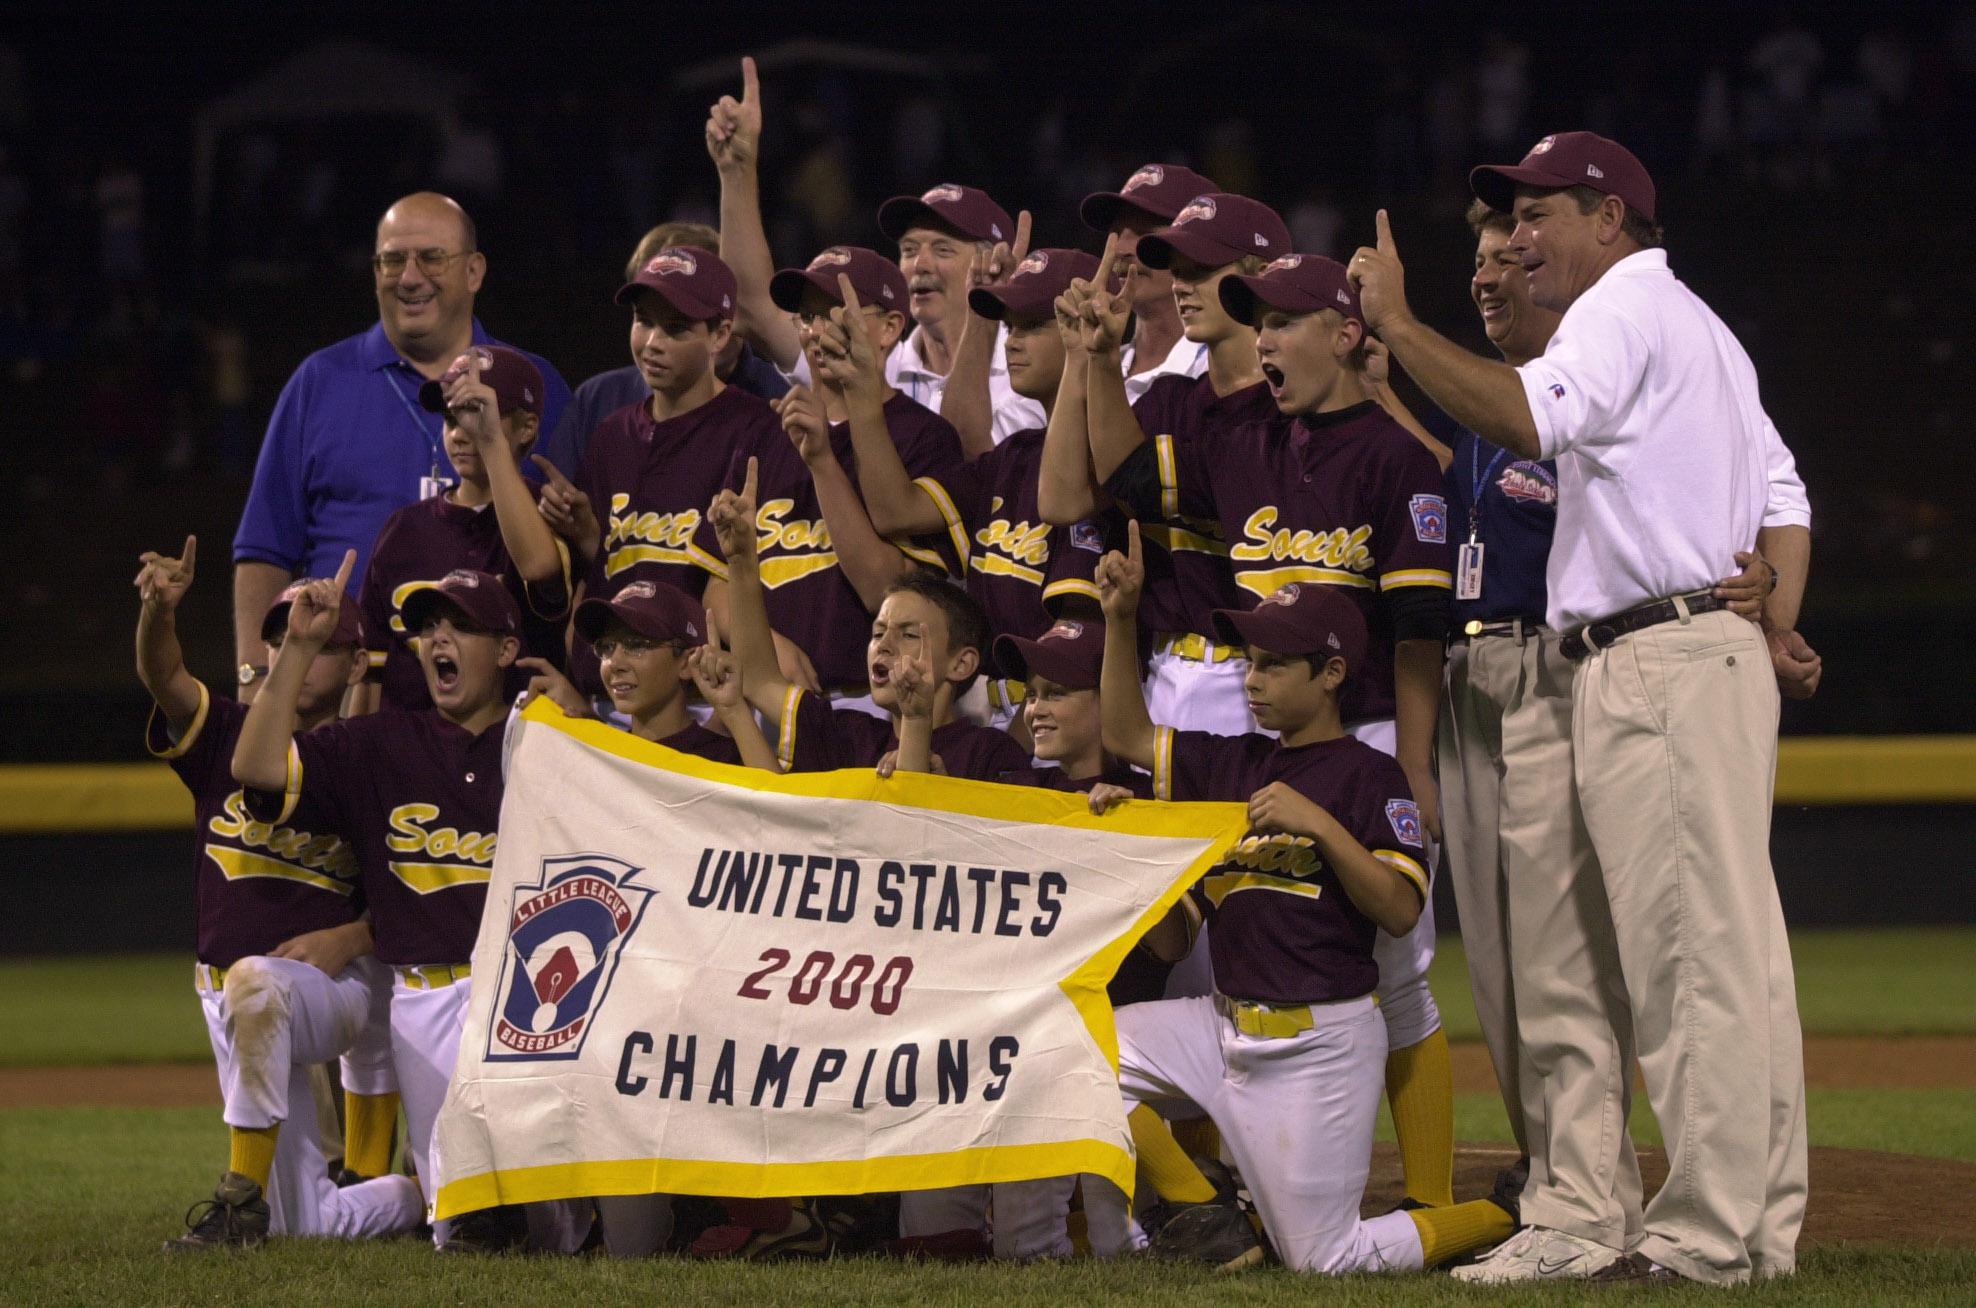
(348,443)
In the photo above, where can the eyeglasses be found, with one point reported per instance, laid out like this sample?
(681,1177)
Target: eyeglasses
(390,264)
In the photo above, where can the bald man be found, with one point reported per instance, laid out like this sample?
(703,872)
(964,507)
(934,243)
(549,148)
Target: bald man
(348,443)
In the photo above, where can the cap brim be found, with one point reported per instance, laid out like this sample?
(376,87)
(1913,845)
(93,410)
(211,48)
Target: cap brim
(1101,209)
(1495,184)
(902,213)
(1010,302)
(1156,250)
(788,287)
(591,617)
(349,623)
(1022,659)
(1246,297)
(276,619)
(432,397)
(690,305)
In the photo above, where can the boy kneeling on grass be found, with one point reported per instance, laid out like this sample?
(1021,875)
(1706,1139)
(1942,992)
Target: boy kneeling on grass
(1288,1055)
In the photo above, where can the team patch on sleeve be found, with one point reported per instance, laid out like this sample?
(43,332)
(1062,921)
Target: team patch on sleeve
(1087,535)
(1404,814)
(1430,518)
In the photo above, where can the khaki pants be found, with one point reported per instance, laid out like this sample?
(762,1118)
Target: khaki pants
(1538,933)
(1675,742)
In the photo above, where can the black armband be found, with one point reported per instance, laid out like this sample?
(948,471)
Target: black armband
(1135,484)
(1420,612)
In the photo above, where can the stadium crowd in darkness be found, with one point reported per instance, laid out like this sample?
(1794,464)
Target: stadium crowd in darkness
(148,362)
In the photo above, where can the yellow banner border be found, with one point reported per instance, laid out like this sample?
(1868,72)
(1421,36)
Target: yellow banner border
(1220,824)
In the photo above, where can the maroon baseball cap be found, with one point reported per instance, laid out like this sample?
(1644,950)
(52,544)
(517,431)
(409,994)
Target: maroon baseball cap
(1216,229)
(966,209)
(1301,617)
(1568,159)
(1158,190)
(516,382)
(653,609)
(688,278)
(481,596)
(1031,291)
(349,619)
(1071,653)
(875,278)
(1295,283)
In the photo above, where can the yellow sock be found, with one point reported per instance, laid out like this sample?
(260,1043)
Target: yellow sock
(252,1152)
(1420,1087)
(1199,1136)
(1167,1166)
(370,1129)
(1458,1228)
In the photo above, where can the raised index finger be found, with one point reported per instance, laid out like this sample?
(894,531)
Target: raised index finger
(191,552)
(850,296)
(550,470)
(1020,249)
(1132,539)
(1102,281)
(751,84)
(748,483)
(343,572)
(1385,230)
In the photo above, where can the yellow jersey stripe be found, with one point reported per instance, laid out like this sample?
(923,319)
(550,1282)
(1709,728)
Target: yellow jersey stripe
(191,732)
(291,791)
(1417,577)
(1173,539)
(237,864)
(430,878)
(632,555)
(1000,565)
(1268,581)
(1071,586)
(1415,874)
(1163,763)
(949,513)
(785,739)
(1221,887)
(1169,476)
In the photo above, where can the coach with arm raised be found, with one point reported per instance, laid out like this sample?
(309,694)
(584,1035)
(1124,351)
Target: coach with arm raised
(348,443)
(1650,407)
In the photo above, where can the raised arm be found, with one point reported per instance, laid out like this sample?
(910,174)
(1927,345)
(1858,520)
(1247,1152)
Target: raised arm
(734,137)
(161,583)
(567,509)
(1481,394)
(965,402)
(1378,385)
(524,531)
(922,701)
(733,517)
(718,675)
(260,756)
(1129,733)
(255,587)
(1066,489)
(1114,429)
(852,364)
(869,561)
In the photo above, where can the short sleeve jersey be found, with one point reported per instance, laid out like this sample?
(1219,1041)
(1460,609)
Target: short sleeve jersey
(1347,498)
(809,599)
(423,542)
(1282,930)
(817,738)
(650,484)
(1185,549)
(258,883)
(419,800)
(1018,566)
(1508,506)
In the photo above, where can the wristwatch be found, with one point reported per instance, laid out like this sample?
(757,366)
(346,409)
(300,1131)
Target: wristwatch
(249,674)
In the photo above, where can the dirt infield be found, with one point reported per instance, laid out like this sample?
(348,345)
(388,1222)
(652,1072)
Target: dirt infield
(1857,1196)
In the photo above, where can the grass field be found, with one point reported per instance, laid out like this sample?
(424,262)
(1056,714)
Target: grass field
(90,1192)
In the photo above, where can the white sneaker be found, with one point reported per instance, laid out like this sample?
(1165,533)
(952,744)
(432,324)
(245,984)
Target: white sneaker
(1538,1254)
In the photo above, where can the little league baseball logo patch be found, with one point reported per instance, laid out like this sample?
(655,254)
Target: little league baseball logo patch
(1404,814)
(1430,518)
(1087,536)
(566,934)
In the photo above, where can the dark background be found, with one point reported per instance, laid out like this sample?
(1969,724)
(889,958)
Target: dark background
(1813,165)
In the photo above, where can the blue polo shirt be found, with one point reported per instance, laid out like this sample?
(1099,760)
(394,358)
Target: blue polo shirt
(1517,513)
(347,446)
(620,388)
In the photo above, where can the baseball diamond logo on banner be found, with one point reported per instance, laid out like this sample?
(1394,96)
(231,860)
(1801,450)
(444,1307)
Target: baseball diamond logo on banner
(564,936)
(828,983)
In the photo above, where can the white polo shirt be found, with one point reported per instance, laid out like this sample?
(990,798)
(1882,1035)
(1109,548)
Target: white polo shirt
(1186,359)
(1667,463)
(906,370)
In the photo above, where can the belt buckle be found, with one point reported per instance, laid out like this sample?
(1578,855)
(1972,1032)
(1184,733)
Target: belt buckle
(1472,628)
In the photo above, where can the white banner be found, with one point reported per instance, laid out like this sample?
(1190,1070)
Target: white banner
(701,979)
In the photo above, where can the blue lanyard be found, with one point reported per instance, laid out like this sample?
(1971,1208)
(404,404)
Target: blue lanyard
(1477,480)
(419,420)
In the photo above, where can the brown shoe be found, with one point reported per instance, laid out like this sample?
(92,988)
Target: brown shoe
(1636,1269)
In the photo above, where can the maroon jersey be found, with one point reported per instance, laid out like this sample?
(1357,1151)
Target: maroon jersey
(1282,929)
(702,743)
(650,484)
(818,738)
(1347,498)
(809,599)
(1187,575)
(419,800)
(258,883)
(1018,566)
(423,542)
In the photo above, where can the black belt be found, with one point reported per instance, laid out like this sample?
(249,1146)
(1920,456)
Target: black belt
(1517,627)
(1598,635)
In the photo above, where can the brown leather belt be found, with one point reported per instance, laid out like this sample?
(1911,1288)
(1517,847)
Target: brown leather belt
(1598,635)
